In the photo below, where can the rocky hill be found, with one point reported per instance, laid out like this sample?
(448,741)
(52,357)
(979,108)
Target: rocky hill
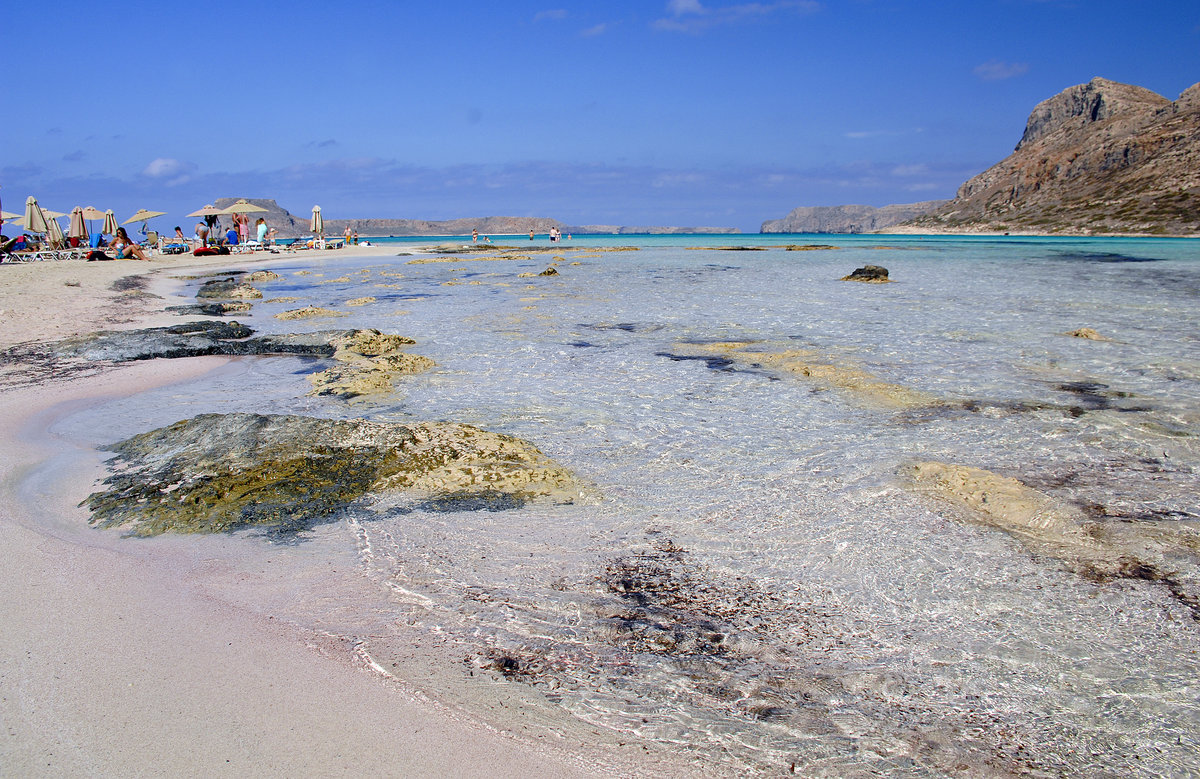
(1100,157)
(285,224)
(847,219)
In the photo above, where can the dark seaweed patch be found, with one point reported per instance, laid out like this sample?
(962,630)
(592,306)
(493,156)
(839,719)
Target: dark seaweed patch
(715,363)
(1106,257)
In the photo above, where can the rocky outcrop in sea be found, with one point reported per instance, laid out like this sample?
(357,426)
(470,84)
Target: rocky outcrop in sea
(285,473)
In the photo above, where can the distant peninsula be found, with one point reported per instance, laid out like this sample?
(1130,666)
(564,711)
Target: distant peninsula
(288,225)
(847,219)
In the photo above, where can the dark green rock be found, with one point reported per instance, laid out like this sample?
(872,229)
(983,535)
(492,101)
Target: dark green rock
(221,472)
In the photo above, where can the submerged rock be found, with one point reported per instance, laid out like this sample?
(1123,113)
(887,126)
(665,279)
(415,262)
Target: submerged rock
(861,387)
(1097,550)
(228,288)
(262,275)
(220,308)
(871,274)
(371,362)
(221,472)
(198,339)
(308,312)
(1088,334)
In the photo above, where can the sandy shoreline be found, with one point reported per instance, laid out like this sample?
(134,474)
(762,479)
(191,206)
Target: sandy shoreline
(110,667)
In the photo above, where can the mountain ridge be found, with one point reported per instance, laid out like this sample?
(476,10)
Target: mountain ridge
(1097,158)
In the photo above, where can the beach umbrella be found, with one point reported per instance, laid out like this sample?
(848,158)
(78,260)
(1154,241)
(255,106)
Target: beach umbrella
(78,227)
(35,220)
(210,213)
(208,210)
(54,233)
(144,217)
(243,206)
(110,223)
(90,213)
(317,225)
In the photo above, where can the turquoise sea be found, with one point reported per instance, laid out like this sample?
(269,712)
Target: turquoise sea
(753,584)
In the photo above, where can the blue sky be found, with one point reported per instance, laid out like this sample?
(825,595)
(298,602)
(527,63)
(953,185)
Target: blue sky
(680,112)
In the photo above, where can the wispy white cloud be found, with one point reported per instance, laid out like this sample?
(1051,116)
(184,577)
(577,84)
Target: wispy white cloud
(551,15)
(997,70)
(592,32)
(169,171)
(859,135)
(693,16)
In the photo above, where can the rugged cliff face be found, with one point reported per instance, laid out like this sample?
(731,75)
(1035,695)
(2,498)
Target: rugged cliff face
(847,219)
(1099,157)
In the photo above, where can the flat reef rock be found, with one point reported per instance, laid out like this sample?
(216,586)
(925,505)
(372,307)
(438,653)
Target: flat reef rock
(369,362)
(230,288)
(1157,552)
(194,339)
(221,472)
(856,384)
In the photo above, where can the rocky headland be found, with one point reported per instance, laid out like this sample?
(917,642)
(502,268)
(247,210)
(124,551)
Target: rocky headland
(1098,158)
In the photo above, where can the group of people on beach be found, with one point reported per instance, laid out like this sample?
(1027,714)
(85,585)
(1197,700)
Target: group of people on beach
(207,232)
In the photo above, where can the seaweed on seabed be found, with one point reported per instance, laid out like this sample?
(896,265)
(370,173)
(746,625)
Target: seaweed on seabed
(285,495)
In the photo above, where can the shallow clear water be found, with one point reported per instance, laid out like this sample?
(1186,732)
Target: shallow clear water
(751,580)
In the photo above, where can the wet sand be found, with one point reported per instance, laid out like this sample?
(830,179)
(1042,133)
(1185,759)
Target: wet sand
(113,665)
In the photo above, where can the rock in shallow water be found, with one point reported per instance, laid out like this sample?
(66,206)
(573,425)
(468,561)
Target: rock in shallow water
(871,274)
(220,472)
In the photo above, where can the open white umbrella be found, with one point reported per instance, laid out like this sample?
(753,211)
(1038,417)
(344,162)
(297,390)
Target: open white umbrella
(35,220)
(243,206)
(144,216)
(208,210)
(211,214)
(77,228)
(90,213)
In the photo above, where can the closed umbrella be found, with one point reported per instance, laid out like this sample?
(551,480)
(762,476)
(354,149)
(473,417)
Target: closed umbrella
(54,233)
(35,220)
(78,227)
(317,225)
(110,223)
